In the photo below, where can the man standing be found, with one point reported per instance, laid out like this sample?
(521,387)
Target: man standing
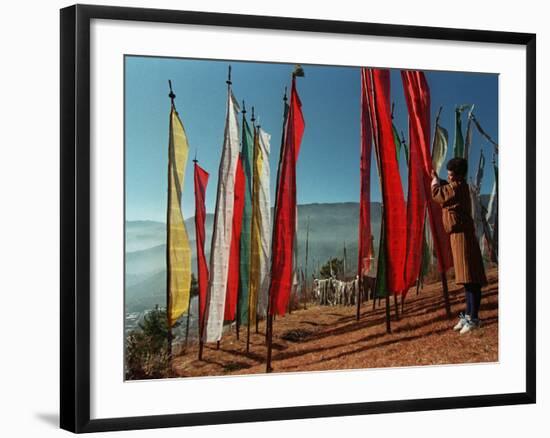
(454,197)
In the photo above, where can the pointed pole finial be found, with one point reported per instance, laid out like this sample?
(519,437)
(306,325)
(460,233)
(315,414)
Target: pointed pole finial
(253,119)
(298,71)
(285,98)
(438,115)
(228,82)
(195,159)
(244,108)
(172,96)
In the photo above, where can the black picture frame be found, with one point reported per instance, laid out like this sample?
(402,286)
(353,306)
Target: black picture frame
(75,217)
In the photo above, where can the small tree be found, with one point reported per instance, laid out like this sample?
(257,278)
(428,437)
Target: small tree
(147,348)
(337,268)
(155,326)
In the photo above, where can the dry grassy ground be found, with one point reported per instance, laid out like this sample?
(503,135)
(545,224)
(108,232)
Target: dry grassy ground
(330,338)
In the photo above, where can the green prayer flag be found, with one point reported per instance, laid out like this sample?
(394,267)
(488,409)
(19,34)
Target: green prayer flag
(439,150)
(244,270)
(458,147)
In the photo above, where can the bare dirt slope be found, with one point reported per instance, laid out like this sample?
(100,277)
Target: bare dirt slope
(330,338)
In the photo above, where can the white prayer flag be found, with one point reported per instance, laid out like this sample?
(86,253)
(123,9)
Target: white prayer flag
(223,221)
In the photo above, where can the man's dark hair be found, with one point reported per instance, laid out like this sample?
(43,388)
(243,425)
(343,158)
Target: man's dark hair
(459,166)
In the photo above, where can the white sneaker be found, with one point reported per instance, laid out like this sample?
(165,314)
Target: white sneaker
(462,320)
(469,326)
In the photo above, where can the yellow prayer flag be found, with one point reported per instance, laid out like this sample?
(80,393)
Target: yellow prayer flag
(256,242)
(178,250)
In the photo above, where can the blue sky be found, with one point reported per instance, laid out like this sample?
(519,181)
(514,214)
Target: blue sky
(328,165)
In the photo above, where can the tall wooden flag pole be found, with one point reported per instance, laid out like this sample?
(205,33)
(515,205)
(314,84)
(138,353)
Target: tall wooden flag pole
(201,182)
(198,224)
(284,221)
(254,253)
(178,251)
(305,290)
(232,292)
(418,101)
(255,209)
(187,322)
(222,230)
(439,145)
(249,297)
(364,253)
(247,154)
(269,320)
(172,96)
(393,250)
(440,250)
(492,212)
(261,228)
(281,150)
(344,263)
(238,319)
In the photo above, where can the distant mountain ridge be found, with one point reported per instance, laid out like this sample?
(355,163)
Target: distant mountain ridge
(330,227)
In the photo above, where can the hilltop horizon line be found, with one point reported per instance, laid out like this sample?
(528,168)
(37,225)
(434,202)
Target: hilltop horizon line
(299,205)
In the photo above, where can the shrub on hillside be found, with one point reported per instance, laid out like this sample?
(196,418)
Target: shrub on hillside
(147,348)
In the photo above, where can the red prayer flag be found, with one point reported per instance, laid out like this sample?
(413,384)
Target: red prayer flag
(419,137)
(365,240)
(417,94)
(395,216)
(416,205)
(201,181)
(234,251)
(285,208)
